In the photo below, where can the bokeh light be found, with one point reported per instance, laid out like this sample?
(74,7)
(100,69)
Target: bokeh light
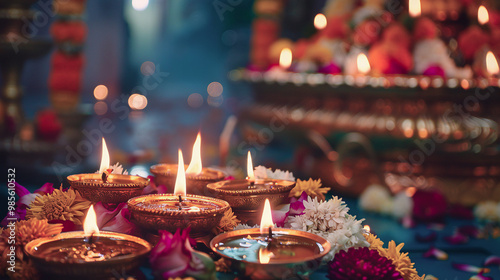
(320,21)
(100,108)
(195,100)
(140,5)
(100,92)
(215,101)
(137,101)
(148,68)
(215,89)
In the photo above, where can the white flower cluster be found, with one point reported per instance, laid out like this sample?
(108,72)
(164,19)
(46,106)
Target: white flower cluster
(261,172)
(488,211)
(378,199)
(117,169)
(330,219)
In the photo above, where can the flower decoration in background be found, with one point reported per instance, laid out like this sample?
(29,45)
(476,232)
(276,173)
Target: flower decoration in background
(487,211)
(174,257)
(61,205)
(376,198)
(117,168)
(311,187)
(228,222)
(25,231)
(429,206)
(152,188)
(330,219)
(360,264)
(48,125)
(262,172)
(25,199)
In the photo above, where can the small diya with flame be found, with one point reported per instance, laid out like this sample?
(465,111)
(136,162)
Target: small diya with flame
(88,254)
(245,196)
(178,210)
(267,253)
(105,186)
(197,177)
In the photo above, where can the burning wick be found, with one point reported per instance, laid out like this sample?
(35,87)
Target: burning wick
(105,174)
(270,234)
(89,241)
(180,201)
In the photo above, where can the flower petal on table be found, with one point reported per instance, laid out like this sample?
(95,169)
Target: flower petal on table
(469,231)
(436,253)
(470,268)
(480,277)
(456,239)
(492,260)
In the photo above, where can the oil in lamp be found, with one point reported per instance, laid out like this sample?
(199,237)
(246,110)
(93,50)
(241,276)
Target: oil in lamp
(197,177)
(88,254)
(178,210)
(105,186)
(247,195)
(267,253)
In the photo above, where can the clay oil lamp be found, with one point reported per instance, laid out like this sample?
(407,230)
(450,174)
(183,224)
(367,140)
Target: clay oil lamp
(267,253)
(197,177)
(107,187)
(178,210)
(88,254)
(247,195)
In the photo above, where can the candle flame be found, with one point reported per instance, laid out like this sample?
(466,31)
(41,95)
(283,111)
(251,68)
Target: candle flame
(195,165)
(286,58)
(320,21)
(411,191)
(415,8)
(482,15)
(104,157)
(266,221)
(90,223)
(363,64)
(367,228)
(491,64)
(250,174)
(180,181)
(265,255)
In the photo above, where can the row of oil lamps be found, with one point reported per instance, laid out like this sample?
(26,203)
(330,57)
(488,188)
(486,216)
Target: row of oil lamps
(263,253)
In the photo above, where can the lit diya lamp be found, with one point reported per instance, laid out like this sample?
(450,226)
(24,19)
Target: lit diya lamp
(107,187)
(197,177)
(245,196)
(88,254)
(267,253)
(178,210)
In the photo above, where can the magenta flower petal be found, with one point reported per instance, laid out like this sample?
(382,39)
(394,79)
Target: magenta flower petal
(115,220)
(461,212)
(436,253)
(297,205)
(47,188)
(279,217)
(480,277)
(20,190)
(431,237)
(470,268)
(469,231)
(229,178)
(429,206)
(492,260)
(456,239)
(408,222)
(161,189)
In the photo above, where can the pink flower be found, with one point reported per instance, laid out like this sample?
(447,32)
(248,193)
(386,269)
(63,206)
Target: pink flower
(173,255)
(25,199)
(116,219)
(296,208)
(429,206)
(153,188)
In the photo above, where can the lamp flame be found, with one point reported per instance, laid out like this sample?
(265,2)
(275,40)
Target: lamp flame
(180,180)
(286,58)
(363,64)
(491,64)
(482,15)
(104,157)
(250,174)
(90,223)
(367,228)
(415,8)
(320,21)
(266,221)
(195,166)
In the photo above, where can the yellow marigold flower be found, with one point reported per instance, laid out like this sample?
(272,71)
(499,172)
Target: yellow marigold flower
(32,229)
(60,205)
(227,223)
(311,187)
(24,270)
(400,260)
(375,242)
